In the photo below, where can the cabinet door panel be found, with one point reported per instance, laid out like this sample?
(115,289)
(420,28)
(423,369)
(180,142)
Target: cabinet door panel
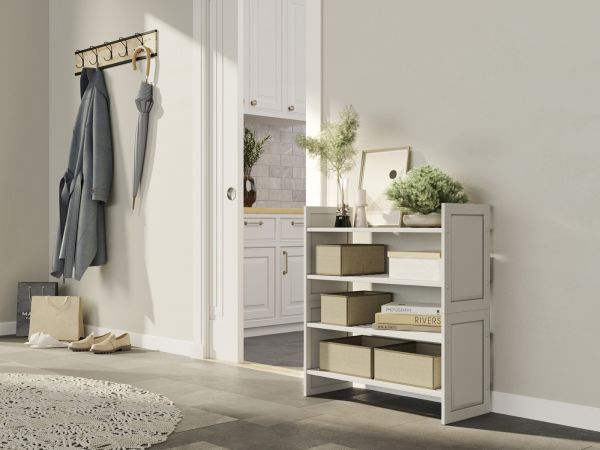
(292,282)
(264,66)
(295,80)
(259,283)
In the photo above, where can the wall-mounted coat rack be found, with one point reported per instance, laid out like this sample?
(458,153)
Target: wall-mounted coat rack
(117,52)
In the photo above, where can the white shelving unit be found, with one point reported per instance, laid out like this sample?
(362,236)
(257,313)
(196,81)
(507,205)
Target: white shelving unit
(463,294)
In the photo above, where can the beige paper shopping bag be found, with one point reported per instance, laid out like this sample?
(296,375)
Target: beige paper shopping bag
(60,317)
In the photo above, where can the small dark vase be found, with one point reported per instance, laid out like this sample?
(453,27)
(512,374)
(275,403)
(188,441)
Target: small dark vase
(342,221)
(249,192)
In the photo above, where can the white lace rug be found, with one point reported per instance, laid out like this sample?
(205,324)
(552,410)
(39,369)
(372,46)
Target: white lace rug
(56,412)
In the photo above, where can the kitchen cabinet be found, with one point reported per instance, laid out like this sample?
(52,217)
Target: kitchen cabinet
(273,273)
(274,61)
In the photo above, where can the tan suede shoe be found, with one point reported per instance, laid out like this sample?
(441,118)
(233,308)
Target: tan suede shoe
(113,344)
(86,343)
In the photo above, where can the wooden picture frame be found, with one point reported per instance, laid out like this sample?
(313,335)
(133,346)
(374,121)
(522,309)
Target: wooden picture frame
(378,169)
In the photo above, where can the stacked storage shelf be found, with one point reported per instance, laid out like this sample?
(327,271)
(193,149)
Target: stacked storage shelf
(463,294)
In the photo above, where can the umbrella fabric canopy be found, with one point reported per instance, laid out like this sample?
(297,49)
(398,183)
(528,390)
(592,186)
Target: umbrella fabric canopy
(144,103)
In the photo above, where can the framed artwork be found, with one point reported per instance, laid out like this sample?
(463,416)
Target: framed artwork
(378,169)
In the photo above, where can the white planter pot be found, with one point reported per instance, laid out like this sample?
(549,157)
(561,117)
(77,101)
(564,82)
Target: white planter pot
(433,220)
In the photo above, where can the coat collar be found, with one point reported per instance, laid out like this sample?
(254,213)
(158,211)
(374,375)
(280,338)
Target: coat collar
(92,77)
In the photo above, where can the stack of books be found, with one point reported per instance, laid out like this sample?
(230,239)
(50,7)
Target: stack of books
(406,317)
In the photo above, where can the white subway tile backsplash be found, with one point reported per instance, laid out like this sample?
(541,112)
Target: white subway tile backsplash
(300,172)
(280,172)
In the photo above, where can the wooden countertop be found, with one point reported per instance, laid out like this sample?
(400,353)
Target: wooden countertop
(290,211)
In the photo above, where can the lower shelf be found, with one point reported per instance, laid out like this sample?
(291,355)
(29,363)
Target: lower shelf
(367,330)
(434,394)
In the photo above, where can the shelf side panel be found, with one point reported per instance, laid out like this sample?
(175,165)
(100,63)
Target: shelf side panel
(466,366)
(466,254)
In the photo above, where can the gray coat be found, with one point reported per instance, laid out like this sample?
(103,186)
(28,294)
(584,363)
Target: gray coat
(85,187)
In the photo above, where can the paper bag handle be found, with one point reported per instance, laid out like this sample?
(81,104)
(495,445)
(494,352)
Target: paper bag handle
(57,307)
(43,293)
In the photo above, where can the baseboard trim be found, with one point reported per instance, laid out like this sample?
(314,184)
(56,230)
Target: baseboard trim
(561,413)
(149,342)
(8,328)
(273,329)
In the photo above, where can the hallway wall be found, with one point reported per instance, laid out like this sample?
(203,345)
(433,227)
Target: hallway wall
(503,96)
(146,287)
(23,150)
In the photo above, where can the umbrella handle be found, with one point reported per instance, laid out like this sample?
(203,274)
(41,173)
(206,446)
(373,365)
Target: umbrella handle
(139,50)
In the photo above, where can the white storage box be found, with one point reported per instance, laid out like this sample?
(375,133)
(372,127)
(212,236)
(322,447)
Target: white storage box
(418,266)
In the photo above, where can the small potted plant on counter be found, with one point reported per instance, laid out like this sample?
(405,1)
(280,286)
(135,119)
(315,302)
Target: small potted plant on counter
(253,149)
(420,195)
(335,146)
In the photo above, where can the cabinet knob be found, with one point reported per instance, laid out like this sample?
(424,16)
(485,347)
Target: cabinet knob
(291,108)
(253,102)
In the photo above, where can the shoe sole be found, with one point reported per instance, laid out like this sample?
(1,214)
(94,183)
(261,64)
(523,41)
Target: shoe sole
(125,348)
(79,349)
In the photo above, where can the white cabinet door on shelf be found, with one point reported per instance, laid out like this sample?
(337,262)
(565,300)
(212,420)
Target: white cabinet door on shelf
(264,57)
(259,283)
(294,58)
(292,282)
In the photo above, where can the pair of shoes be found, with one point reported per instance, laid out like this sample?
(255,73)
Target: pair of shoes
(43,340)
(107,343)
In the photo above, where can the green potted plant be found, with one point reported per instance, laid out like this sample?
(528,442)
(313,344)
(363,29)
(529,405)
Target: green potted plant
(335,147)
(420,195)
(253,149)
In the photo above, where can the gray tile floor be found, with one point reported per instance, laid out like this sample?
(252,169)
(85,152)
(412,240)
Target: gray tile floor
(283,350)
(233,407)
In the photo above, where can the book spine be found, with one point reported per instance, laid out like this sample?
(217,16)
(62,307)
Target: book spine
(401,309)
(391,327)
(409,319)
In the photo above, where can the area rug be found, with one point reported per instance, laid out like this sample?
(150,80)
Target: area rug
(56,412)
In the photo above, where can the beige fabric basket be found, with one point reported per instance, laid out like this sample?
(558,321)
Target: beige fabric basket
(350,259)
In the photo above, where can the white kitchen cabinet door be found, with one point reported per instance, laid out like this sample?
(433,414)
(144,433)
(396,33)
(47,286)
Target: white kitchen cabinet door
(264,57)
(292,281)
(259,283)
(294,58)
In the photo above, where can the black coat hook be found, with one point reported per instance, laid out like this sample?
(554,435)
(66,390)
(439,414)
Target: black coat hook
(95,52)
(78,53)
(140,38)
(125,44)
(109,47)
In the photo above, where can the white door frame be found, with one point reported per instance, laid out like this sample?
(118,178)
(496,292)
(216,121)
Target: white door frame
(218,326)
(217,242)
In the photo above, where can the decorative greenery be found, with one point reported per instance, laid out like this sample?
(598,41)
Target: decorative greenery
(253,149)
(335,146)
(424,189)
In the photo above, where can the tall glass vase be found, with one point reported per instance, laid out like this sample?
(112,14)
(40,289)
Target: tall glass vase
(342,218)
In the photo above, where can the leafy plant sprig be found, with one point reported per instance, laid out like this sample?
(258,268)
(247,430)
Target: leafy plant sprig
(424,189)
(253,149)
(335,146)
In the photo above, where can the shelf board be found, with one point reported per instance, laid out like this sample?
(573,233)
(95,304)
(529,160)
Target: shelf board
(373,230)
(399,388)
(377,279)
(366,330)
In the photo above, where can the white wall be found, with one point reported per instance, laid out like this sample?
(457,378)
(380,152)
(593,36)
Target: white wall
(23,150)
(146,287)
(503,96)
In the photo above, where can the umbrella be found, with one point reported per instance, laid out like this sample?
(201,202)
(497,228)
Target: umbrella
(144,103)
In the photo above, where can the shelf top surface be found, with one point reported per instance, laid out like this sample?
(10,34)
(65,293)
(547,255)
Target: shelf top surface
(366,330)
(376,279)
(373,230)
(434,393)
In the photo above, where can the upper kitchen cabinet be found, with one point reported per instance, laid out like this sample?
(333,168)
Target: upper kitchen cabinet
(274,78)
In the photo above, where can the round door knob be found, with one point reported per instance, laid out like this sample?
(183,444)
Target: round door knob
(291,108)
(253,102)
(231,194)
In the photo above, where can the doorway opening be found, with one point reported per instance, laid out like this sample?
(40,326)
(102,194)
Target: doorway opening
(273,80)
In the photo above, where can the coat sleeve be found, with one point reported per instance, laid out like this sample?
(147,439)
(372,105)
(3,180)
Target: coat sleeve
(103,150)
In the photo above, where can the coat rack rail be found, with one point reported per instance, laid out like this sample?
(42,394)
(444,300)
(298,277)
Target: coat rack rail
(116,52)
